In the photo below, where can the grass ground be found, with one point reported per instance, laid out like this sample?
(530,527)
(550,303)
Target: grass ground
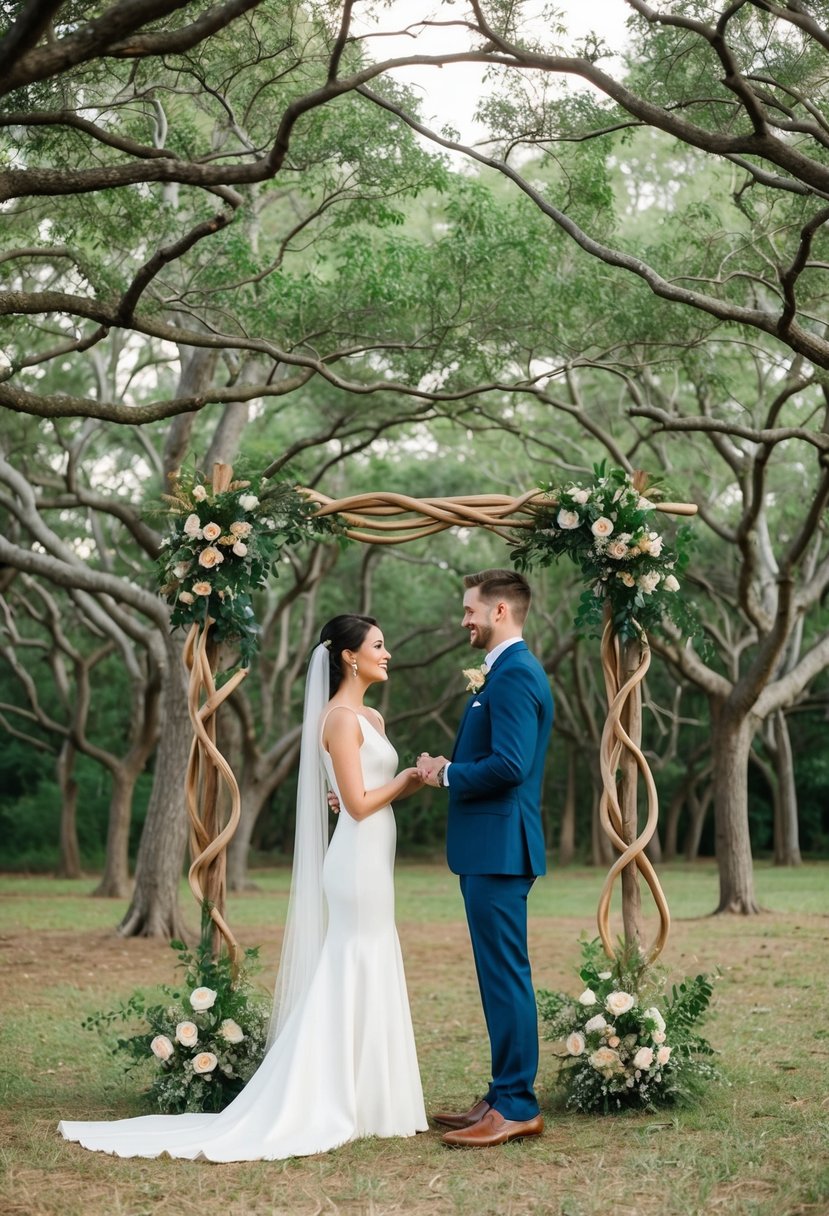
(755,1146)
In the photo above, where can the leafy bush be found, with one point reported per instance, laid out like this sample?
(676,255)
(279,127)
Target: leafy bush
(626,1040)
(201,1045)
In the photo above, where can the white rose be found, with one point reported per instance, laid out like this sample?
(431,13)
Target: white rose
(211,556)
(204,1062)
(670,583)
(240,528)
(580,495)
(231,1031)
(575,1044)
(656,543)
(240,548)
(602,526)
(199,493)
(186,597)
(663,1055)
(187,1033)
(181,568)
(248,502)
(605,1059)
(200,589)
(617,549)
(648,582)
(619,1002)
(568,519)
(653,1015)
(203,998)
(161,1047)
(595,1023)
(211,531)
(192,526)
(643,1058)
(588,997)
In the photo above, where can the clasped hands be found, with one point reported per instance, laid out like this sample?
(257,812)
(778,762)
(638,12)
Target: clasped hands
(428,768)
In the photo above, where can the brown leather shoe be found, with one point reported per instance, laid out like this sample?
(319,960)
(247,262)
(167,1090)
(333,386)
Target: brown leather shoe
(465,1119)
(493,1129)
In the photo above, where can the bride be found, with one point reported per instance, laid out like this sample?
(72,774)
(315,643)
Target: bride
(341,1059)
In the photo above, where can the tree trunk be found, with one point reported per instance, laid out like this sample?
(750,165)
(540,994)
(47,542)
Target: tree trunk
(115,880)
(154,910)
(69,864)
(731,743)
(672,823)
(567,834)
(787,833)
(697,810)
(601,850)
(280,761)
(254,797)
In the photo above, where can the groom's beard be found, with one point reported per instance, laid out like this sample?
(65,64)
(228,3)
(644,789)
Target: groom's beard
(482,637)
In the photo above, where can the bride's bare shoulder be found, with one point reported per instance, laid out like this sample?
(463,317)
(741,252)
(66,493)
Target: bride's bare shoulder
(338,719)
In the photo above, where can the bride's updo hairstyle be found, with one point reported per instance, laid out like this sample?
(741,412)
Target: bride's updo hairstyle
(346,632)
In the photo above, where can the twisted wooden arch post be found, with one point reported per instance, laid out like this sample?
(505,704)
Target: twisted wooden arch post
(206,767)
(624,667)
(209,782)
(387,519)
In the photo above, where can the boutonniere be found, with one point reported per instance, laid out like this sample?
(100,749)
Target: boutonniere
(476,677)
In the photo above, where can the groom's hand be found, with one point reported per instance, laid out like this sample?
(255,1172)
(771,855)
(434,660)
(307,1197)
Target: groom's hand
(429,767)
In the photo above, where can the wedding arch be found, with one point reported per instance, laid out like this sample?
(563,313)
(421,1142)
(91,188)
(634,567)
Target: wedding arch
(553,522)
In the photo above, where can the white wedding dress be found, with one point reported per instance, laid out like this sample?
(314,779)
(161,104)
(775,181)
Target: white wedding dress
(344,1064)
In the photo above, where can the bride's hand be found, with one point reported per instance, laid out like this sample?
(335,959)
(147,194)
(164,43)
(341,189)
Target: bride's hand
(414,781)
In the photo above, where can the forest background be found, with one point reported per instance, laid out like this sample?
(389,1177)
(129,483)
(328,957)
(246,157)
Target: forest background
(230,235)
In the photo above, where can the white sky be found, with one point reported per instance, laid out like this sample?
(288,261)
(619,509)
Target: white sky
(450,94)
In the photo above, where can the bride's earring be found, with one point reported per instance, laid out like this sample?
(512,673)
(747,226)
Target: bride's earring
(354,666)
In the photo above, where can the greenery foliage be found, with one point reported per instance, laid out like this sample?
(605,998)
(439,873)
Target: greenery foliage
(204,1041)
(627,1042)
(223,547)
(606,527)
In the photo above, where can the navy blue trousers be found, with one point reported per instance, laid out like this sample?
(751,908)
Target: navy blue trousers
(496,912)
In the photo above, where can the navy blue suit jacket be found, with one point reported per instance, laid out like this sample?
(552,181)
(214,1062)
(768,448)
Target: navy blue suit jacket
(497,767)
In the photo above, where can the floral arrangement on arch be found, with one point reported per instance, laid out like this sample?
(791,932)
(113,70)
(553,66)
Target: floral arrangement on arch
(610,529)
(199,1045)
(625,1041)
(223,547)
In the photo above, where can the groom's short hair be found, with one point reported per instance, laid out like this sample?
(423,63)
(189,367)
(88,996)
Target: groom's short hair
(506,585)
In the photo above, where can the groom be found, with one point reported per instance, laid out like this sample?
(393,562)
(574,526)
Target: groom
(495,844)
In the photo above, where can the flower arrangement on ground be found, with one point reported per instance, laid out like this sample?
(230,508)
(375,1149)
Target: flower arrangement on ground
(609,528)
(625,1041)
(200,1044)
(222,548)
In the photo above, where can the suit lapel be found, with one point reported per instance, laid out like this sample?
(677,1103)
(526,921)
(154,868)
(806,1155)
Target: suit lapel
(503,657)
